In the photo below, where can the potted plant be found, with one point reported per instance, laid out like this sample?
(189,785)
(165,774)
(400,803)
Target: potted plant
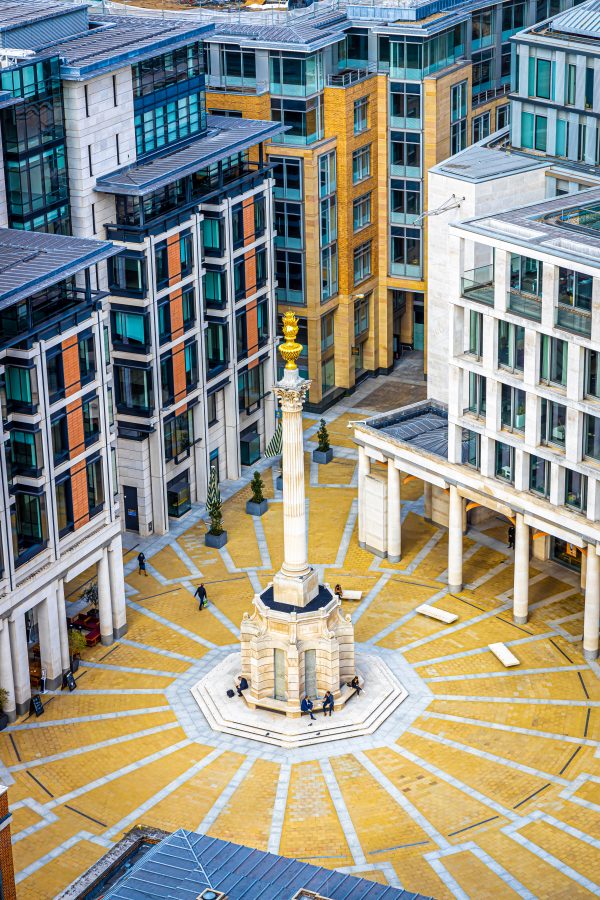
(258,503)
(3,702)
(90,595)
(324,452)
(216,536)
(77,645)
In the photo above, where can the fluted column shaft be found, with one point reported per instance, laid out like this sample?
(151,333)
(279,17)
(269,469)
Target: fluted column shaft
(294,509)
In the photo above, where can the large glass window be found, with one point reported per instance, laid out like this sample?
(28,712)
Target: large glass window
(361,316)
(159,126)
(512,408)
(25,452)
(362,262)
(329,271)
(361,164)
(179,435)
(170,68)
(55,375)
(215,288)
(405,153)
(477,394)
(296,76)
(287,172)
(539,476)
(29,526)
(405,105)
(90,407)
(504,459)
(290,276)
(361,212)
(575,490)
(20,394)
(60,438)
(526,274)
(167,384)
(511,346)
(327,331)
(217,353)
(405,197)
(87,357)
(64,506)
(361,115)
(213,239)
(238,67)
(591,436)
(303,118)
(592,374)
(553,423)
(95,486)
(288,224)
(553,360)
(133,389)
(127,274)
(475,334)
(130,330)
(540,78)
(251,388)
(406,251)
(262,321)
(470,448)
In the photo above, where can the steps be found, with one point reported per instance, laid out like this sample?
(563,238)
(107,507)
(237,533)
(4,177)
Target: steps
(362,715)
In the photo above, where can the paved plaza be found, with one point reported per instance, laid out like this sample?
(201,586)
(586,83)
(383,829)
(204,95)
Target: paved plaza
(484,783)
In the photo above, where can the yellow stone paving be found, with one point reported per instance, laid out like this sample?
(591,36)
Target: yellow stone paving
(448,789)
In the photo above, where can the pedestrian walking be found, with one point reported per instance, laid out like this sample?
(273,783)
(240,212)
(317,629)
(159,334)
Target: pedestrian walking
(200,593)
(327,703)
(307,706)
(511,537)
(142,564)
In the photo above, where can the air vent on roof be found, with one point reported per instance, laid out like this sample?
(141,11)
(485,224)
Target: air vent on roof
(210,894)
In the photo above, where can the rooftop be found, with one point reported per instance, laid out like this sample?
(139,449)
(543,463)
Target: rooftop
(580,22)
(308,34)
(184,864)
(32,261)
(424,426)
(490,160)
(17,14)
(226,136)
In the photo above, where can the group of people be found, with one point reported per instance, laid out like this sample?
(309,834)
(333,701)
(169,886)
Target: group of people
(307,705)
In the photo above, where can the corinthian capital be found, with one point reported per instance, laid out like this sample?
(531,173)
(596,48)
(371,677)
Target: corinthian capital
(292,399)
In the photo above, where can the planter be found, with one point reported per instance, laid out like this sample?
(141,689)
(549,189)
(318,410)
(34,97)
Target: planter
(279,483)
(322,456)
(3,721)
(257,509)
(215,540)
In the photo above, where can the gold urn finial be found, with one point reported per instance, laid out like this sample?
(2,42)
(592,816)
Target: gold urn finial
(290,350)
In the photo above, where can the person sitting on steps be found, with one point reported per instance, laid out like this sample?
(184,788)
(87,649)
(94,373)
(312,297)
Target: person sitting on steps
(355,684)
(328,703)
(338,591)
(242,685)
(307,706)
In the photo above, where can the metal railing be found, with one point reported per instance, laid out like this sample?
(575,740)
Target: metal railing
(478,284)
(216,83)
(525,305)
(575,320)
(351,76)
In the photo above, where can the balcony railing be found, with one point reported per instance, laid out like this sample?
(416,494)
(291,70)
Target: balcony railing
(574,320)
(236,85)
(478,284)
(350,76)
(525,305)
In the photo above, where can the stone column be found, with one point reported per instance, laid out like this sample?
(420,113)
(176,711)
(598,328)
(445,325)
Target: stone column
(291,391)
(63,631)
(394,540)
(117,588)
(521,588)
(364,467)
(50,650)
(104,601)
(591,615)
(20,660)
(455,541)
(6,672)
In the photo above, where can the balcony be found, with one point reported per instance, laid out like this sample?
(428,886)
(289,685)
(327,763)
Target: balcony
(478,284)
(574,320)
(351,76)
(527,305)
(238,85)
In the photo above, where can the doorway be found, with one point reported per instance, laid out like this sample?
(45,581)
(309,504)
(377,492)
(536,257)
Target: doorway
(130,498)
(418,325)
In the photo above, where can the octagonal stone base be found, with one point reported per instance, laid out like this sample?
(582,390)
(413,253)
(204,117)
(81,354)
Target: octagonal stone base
(361,715)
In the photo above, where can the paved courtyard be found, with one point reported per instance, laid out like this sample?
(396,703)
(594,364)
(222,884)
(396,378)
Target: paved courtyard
(487,785)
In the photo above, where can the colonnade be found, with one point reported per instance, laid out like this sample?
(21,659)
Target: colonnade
(55,656)
(379,526)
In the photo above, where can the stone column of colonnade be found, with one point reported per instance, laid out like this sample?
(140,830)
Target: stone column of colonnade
(6,672)
(521,584)
(20,662)
(65,654)
(49,638)
(394,528)
(111,593)
(591,615)
(295,563)
(455,540)
(364,469)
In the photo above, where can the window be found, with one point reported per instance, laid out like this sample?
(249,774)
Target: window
(513,18)
(64,506)
(477,394)
(405,105)
(114,87)
(475,334)
(361,212)
(251,388)
(167,388)
(60,438)
(328,220)
(55,375)
(215,288)
(188,305)
(406,251)
(361,316)
(238,67)
(405,150)
(405,201)
(512,408)
(87,357)
(95,486)
(575,490)
(262,321)
(288,224)
(592,374)
(458,136)
(591,437)
(327,332)
(553,360)
(539,476)
(328,375)
(290,276)
(502,116)
(118,149)
(164,320)
(159,125)
(261,268)
(481,127)
(127,274)
(304,119)
(511,346)
(553,423)
(329,272)
(328,229)
(361,164)
(161,262)
(287,173)
(362,262)
(504,462)
(186,253)
(133,390)
(217,355)
(211,408)
(570,84)
(540,78)
(534,131)
(25,452)
(361,115)
(575,289)
(213,235)
(237,225)
(239,278)
(19,390)
(470,448)
(458,101)
(482,28)
(29,526)
(90,163)
(130,330)
(90,407)
(179,435)
(589,87)
(241,336)
(87,100)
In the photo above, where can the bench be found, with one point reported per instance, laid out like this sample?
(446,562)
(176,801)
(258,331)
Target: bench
(351,595)
(434,612)
(92,637)
(506,657)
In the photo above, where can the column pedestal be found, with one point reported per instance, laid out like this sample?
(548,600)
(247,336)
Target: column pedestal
(104,600)
(591,615)
(521,587)
(455,541)
(6,672)
(394,538)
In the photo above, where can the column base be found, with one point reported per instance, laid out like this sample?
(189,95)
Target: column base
(380,553)
(119,632)
(106,639)
(23,707)
(520,620)
(54,684)
(393,559)
(362,545)
(455,588)
(590,654)
(12,715)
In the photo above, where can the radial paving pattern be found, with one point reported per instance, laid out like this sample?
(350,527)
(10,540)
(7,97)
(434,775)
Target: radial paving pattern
(492,791)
